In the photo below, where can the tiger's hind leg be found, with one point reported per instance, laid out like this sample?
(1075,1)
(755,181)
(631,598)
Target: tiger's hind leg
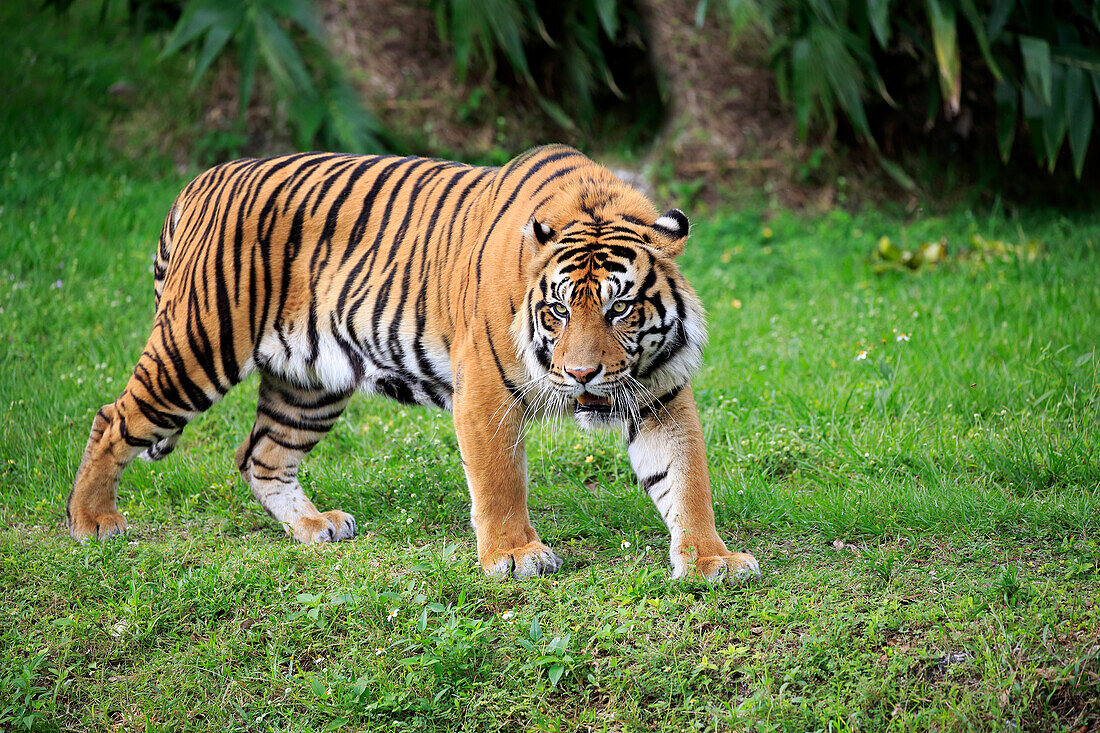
(290,420)
(162,396)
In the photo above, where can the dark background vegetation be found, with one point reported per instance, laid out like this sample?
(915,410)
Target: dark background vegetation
(807,102)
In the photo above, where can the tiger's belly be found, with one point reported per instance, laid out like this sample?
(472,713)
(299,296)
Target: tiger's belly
(412,367)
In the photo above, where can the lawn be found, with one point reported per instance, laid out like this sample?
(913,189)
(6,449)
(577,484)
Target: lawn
(912,455)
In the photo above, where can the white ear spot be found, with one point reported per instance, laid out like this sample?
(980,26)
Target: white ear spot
(540,231)
(673,224)
(543,233)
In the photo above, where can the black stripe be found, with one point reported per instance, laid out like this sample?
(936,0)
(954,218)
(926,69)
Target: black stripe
(200,401)
(508,383)
(129,438)
(283,443)
(319,425)
(325,399)
(158,418)
(650,481)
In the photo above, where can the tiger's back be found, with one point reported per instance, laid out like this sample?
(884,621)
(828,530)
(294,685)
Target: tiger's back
(324,269)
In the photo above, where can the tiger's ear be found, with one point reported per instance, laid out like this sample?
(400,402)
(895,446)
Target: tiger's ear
(672,230)
(537,233)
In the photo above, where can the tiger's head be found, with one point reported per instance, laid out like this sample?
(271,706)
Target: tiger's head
(608,323)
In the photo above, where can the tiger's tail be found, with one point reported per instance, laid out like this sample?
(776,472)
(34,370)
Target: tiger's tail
(160,271)
(164,247)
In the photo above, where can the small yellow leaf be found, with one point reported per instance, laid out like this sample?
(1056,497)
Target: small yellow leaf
(887,251)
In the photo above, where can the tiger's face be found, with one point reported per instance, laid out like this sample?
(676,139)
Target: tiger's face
(609,324)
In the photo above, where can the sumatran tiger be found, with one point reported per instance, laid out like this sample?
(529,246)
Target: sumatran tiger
(545,287)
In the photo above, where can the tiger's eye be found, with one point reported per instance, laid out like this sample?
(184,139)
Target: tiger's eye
(620,307)
(559,310)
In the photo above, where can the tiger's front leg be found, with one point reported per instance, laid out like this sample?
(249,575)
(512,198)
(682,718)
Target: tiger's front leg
(489,425)
(667,453)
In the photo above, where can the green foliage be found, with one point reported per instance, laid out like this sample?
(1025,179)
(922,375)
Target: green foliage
(551,656)
(286,37)
(1041,59)
(27,702)
(574,36)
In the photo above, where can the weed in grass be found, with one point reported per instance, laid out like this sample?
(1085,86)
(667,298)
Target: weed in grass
(550,656)
(1011,590)
(28,701)
(883,563)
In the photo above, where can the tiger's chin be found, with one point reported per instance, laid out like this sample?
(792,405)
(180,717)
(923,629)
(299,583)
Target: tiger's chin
(595,412)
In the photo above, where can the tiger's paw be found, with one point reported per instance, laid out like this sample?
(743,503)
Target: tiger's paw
(732,566)
(736,566)
(520,563)
(331,526)
(343,522)
(84,525)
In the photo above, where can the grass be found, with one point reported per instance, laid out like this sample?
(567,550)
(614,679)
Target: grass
(926,516)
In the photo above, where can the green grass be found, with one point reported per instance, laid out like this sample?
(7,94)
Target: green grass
(926,518)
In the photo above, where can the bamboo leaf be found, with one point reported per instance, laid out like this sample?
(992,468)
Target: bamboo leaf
(280,54)
(462,35)
(1074,54)
(248,56)
(1037,66)
(303,13)
(1033,107)
(609,17)
(843,78)
(508,37)
(557,113)
(974,18)
(700,13)
(354,128)
(998,16)
(307,111)
(897,173)
(1034,112)
(806,84)
(197,18)
(442,27)
(1008,104)
(1054,118)
(878,14)
(1079,112)
(946,44)
(216,39)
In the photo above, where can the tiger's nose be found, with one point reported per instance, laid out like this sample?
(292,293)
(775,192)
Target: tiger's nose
(583,375)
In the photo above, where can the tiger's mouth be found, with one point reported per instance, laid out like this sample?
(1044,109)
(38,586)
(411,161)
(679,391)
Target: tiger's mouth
(588,402)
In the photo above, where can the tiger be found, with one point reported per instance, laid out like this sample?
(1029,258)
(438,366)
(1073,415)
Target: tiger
(543,288)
